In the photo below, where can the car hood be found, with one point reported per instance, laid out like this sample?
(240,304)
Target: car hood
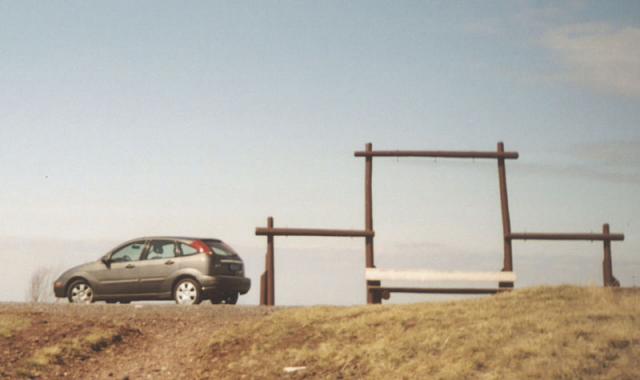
(90,266)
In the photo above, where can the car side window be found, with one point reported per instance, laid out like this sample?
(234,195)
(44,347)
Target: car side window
(187,250)
(161,249)
(130,252)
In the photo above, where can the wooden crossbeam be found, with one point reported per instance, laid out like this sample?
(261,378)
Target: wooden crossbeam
(270,231)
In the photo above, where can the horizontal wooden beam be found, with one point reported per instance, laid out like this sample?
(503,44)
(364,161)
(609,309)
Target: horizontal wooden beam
(439,290)
(431,275)
(564,236)
(437,154)
(262,231)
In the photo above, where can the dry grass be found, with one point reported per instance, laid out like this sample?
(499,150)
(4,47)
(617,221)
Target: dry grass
(72,348)
(551,333)
(10,324)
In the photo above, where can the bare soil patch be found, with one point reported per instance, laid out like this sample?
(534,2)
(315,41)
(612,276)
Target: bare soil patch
(100,341)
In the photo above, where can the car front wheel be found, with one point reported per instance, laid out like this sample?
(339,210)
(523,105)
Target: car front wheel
(80,292)
(187,292)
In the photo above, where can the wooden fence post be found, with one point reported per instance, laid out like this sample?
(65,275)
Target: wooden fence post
(373,297)
(607,266)
(263,286)
(271,291)
(506,219)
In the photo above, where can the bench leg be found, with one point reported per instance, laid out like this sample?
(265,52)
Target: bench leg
(505,285)
(373,296)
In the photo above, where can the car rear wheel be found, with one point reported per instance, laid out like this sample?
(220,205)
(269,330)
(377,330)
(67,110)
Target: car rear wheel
(187,292)
(80,292)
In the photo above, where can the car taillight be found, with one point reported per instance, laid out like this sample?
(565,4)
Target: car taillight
(202,247)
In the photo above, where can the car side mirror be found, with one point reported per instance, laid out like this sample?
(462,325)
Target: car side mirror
(105,261)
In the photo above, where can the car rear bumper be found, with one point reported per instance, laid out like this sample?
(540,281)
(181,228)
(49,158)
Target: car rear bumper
(225,284)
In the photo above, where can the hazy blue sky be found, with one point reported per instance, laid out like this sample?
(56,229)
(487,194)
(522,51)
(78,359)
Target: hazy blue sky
(122,119)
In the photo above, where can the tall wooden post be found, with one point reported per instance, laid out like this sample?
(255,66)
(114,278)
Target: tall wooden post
(271,291)
(506,220)
(263,285)
(607,266)
(372,297)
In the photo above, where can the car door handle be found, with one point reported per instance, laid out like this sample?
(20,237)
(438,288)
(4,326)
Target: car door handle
(130,266)
(168,262)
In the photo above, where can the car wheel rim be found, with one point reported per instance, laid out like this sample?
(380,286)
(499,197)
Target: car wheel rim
(81,293)
(186,293)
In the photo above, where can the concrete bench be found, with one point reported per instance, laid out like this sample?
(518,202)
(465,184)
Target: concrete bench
(426,275)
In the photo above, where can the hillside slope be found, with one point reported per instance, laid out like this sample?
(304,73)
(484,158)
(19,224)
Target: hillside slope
(559,332)
(564,332)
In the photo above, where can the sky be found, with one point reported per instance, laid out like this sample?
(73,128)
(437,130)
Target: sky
(123,119)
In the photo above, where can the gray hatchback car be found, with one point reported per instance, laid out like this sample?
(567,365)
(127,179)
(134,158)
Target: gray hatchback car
(187,270)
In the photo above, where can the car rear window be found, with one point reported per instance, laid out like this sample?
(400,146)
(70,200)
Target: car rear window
(187,250)
(220,248)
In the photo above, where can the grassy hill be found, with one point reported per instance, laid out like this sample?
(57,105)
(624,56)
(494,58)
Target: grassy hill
(538,333)
(541,333)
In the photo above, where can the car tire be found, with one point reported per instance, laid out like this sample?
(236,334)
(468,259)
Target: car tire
(231,299)
(187,292)
(80,292)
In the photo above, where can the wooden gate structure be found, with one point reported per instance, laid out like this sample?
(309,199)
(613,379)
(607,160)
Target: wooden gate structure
(376,292)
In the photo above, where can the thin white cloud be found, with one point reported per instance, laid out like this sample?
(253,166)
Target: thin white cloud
(606,161)
(625,154)
(581,172)
(599,55)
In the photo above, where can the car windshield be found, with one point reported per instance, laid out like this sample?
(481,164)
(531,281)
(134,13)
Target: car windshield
(220,248)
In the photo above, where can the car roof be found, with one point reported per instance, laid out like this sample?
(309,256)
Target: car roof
(184,238)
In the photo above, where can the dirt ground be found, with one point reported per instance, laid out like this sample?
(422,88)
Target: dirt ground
(137,341)
(535,333)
